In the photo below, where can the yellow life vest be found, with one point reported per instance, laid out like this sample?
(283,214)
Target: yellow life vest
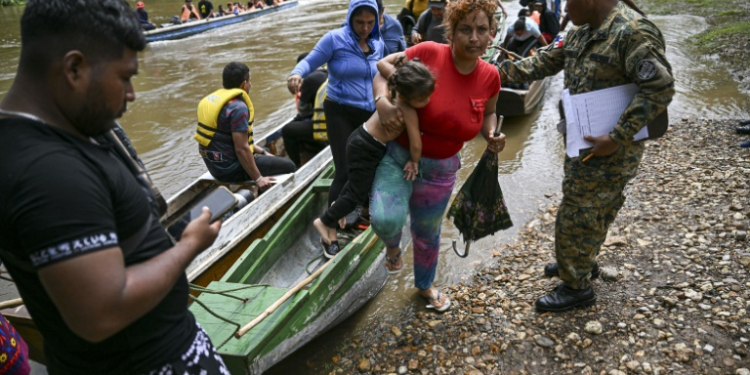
(319,117)
(209,110)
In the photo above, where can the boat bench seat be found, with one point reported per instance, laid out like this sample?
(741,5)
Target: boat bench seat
(322,184)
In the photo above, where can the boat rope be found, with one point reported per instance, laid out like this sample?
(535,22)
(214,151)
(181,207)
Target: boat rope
(307,267)
(223,293)
(201,289)
(237,325)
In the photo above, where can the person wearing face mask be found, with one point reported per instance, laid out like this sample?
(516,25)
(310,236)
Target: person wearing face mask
(351,53)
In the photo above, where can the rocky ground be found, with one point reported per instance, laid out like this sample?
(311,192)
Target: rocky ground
(672,299)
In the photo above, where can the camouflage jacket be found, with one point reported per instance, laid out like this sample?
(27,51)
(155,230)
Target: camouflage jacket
(626,48)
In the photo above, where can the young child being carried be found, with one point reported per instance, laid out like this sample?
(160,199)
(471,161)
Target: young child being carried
(410,87)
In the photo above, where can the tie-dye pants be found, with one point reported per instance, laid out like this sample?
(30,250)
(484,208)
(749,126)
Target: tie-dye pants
(425,199)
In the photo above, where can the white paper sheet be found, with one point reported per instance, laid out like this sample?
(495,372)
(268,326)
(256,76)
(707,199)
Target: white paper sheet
(595,113)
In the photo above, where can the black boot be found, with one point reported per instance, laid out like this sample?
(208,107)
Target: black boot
(552,270)
(744,129)
(564,298)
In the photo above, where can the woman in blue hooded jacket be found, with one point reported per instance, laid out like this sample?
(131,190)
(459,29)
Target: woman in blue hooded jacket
(351,53)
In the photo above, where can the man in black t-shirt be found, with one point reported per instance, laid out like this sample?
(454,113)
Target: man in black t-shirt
(206,9)
(97,272)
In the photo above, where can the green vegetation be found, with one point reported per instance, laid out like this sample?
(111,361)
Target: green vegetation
(710,37)
(11,2)
(728,21)
(731,13)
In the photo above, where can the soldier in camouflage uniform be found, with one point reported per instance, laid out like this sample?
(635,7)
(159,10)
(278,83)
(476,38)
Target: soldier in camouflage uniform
(612,46)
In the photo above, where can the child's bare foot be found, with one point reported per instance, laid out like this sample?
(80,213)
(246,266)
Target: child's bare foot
(342,222)
(323,230)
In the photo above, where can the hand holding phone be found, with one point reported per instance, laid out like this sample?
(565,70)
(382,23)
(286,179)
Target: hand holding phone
(219,202)
(201,233)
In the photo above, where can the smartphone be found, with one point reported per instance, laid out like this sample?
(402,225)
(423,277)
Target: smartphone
(219,201)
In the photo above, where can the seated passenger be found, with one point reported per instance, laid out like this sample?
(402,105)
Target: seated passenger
(225,133)
(189,12)
(308,128)
(206,9)
(521,35)
(142,15)
(258,4)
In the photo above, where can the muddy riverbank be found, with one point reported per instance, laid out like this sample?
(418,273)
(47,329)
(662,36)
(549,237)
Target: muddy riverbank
(727,37)
(672,299)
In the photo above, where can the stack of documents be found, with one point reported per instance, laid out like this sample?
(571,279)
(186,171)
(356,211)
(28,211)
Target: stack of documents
(596,113)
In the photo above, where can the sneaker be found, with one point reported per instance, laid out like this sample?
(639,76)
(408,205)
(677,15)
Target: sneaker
(745,144)
(745,122)
(744,129)
(331,250)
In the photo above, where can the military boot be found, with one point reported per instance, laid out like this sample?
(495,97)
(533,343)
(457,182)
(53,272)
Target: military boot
(552,270)
(564,298)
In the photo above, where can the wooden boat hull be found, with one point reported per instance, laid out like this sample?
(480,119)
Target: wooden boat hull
(515,102)
(172,32)
(355,275)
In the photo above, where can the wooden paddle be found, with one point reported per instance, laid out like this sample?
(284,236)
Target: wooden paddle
(11,303)
(281,300)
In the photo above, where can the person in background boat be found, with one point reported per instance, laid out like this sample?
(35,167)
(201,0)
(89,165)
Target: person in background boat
(616,47)
(96,270)
(189,12)
(258,4)
(222,12)
(522,34)
(462,106)
(534,14)
(391,32)
(225,133)
(549,25)
(351,53)
(416,7)
(502,7)
(14,353)
(302,130)
(206,9)
(429,26)
(410,87)
(142,15)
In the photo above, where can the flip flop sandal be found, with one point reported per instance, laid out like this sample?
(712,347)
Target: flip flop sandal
(394,262)
(330,250)
(439,297)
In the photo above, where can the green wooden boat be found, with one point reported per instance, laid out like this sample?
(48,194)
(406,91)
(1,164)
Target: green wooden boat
(271,267)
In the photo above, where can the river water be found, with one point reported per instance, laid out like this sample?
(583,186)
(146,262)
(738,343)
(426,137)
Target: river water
(175,75)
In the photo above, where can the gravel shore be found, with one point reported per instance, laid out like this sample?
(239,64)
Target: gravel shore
(672,298)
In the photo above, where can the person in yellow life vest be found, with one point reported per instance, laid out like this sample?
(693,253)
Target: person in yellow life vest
(225,133)
(308,128)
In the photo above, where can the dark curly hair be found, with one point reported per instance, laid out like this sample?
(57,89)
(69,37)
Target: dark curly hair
(458,10)
(411,80)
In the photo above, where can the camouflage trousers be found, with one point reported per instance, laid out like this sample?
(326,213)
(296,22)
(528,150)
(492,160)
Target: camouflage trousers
(592,197)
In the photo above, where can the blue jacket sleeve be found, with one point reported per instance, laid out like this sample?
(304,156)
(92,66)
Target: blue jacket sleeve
(320,54)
